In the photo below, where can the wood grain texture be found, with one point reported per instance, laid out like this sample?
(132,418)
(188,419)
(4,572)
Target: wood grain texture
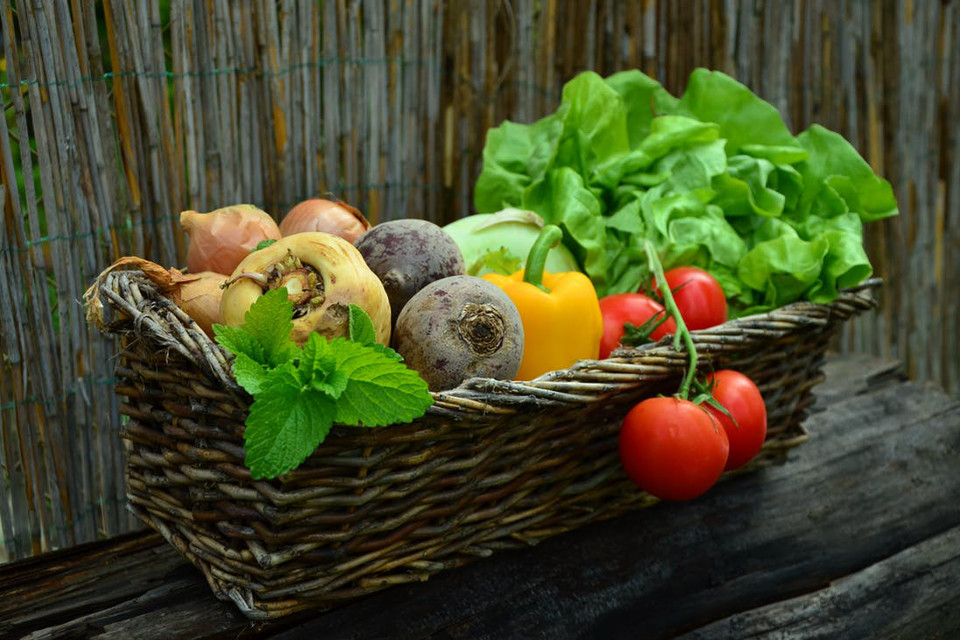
(852,537)
(912,594)
(121,114)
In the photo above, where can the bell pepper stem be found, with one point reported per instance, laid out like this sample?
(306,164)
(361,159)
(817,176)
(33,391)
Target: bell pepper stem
(550,236)
(682,332)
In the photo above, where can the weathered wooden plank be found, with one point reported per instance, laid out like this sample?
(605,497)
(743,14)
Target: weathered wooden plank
(912,594)
(45,590)
(855,374)
(855,515)
(177,608)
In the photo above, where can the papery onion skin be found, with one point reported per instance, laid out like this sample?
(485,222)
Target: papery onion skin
(200,298)
(345,279)
(197,294)
(328,216)
(222,238)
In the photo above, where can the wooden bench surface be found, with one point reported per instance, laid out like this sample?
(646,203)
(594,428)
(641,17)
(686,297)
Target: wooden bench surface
(857,535)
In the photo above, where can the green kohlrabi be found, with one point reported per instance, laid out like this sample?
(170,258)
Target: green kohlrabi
(499,242)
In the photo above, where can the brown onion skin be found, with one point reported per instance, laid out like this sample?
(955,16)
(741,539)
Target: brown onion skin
(220,239)
(328,216)
(199,296)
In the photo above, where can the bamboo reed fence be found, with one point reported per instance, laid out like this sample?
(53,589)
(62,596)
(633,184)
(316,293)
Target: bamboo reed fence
(120,114)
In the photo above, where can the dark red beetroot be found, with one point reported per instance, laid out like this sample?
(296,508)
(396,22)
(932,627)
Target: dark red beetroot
(407,255)
(457,328)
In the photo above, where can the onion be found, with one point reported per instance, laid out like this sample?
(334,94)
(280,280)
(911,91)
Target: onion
(220,239)
(198,294)
(317,214)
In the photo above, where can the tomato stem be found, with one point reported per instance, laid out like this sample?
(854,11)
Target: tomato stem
(683,334)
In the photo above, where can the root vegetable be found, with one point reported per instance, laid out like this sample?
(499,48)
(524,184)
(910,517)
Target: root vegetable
(482,235)
(200,297)
(407,255)
(198,294)
(220,239)
(322,273)
(457,328)
(319,214)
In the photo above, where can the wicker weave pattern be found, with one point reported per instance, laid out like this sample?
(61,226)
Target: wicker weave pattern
(493,465)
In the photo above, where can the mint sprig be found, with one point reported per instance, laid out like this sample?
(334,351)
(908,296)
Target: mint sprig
(299,393)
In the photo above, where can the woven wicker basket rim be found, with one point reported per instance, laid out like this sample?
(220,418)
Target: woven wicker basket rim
(131,293)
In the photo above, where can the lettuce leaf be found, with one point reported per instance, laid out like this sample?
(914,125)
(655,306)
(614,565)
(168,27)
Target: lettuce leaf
(713,178)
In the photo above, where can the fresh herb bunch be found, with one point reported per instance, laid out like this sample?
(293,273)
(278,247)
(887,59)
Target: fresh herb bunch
(300,392)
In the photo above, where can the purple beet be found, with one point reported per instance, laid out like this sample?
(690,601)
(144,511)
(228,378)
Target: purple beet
(457,328)
(407,255)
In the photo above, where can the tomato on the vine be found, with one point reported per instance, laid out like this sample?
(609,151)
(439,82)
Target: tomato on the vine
(739,395)
(635,308)
(672,448)
(699,297)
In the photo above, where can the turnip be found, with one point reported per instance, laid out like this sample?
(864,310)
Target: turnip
(322,273)
(407,255)
(460,327)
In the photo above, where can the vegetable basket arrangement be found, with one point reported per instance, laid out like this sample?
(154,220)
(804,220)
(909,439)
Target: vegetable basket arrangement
(321,409)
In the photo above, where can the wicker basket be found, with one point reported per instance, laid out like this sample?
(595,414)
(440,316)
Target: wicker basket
(492,465)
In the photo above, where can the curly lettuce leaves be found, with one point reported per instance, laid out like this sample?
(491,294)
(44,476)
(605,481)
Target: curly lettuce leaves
(835,172)
(713,179)
(643,98)
(744,118)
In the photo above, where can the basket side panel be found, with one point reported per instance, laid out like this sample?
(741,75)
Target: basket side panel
(376,507)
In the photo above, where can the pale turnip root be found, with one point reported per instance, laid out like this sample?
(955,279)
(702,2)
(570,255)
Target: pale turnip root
(457,328)
(322,274)
(220,239)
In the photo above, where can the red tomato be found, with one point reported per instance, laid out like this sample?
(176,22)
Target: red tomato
(672,448)
(741,397)
(699,297)
(635,308)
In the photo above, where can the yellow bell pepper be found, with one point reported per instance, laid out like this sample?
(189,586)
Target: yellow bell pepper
(560,311)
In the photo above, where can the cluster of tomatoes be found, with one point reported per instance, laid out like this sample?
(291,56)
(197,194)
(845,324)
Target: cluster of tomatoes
(673,447)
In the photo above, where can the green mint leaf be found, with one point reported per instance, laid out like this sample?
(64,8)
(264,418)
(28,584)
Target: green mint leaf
(333,385)
(386,351)
(250,374)
(286,423)
(263,244)
(362,331)
(380,391)
(361,326)
(270,320)
(238,341)
(318,367)
(316,359)
(298,393)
